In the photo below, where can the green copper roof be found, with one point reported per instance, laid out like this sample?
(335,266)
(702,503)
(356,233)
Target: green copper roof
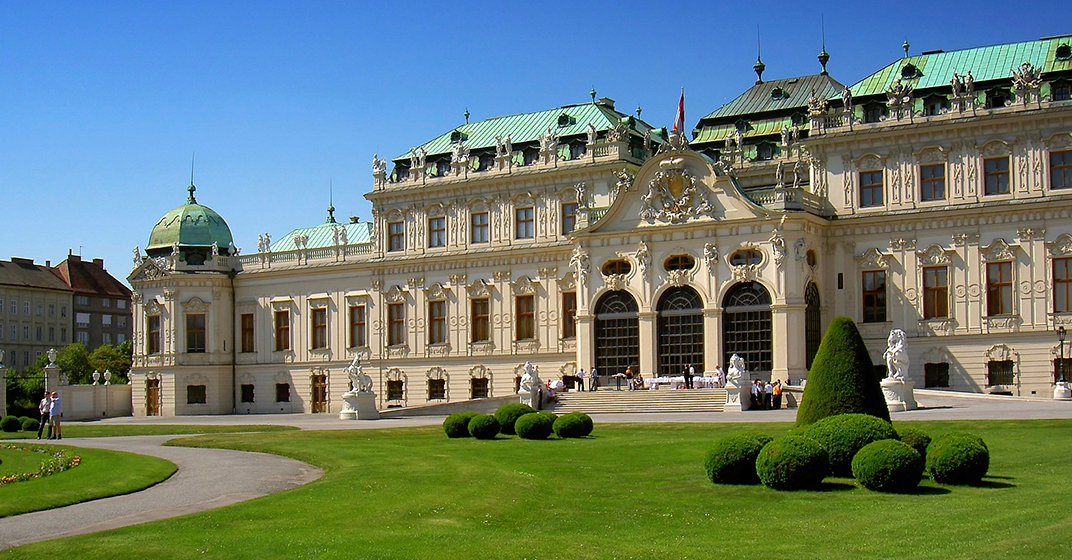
(323,235)
(528,127)
(765,127)
(986,63)
(763,98)
(190,225)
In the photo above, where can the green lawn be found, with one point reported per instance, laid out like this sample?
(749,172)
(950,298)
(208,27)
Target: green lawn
(102,473)
(77,430)
(630,491)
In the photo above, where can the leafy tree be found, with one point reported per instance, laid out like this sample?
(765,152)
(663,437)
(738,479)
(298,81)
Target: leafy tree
(116,359)
(24,391)
(842,378)
(73,360)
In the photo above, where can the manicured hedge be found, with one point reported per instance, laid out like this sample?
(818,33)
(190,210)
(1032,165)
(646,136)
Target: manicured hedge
(732,459)
(762,437)
(918,439)
(842,378)
(569,426)
(888,465)
(508,413)
(457,425)
(958,458)
(30,425)
(10,424)
(535,425)
(484,426)
(792,463)
(586,422)
(845,434)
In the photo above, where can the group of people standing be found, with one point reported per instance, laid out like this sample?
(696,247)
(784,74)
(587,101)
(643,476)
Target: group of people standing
(766,395)
(51,408)
(591,377)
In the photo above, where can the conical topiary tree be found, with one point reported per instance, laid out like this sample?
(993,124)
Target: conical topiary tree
(842,378)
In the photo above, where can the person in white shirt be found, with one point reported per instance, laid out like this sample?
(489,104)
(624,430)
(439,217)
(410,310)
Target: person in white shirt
(42,408)
(55,409)
(720,376)
(592,381)
(580,379)
(768,393)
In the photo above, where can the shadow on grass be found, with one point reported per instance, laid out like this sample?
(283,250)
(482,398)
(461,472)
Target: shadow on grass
(832,486)
(927,491)
(996,484)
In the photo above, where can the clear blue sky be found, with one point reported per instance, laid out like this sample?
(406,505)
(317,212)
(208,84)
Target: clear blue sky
(103,103)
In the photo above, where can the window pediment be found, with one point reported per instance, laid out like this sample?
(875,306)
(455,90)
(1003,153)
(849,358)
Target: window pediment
(934,255)
(870,162)
(995,148)
(1060,247)
(998,250)
(935,154)
(195,305)
(873,259)
(524,286)
(395,294)
(436,292)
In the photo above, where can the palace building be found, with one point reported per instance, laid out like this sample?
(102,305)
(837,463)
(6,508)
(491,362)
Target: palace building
(934,196)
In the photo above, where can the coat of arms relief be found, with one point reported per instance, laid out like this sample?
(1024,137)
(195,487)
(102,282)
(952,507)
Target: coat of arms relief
(673,195)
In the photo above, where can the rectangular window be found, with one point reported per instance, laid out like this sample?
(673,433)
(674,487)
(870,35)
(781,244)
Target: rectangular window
(83,337)
(38,334)
(1000,372)
(996,175)
(106,320)
(870,188)
(63,311)
(526,317)
(478,388)
(569,314)
(481,319)
(998,288)
(14,307)
(396,324)
(121,321)
(40,310)
(524,226)
(81,320)
(282,330)
(106,302)
(121,303)
(106,338)
(1062,285)
(936,375)
(320,327)
(195,333)
(120,338)
(932,182)
(247,332)
(282,392)
(874,296)
(569,217)
(395,390)
(935,292)
(196,394)
(396,236)
(357,326)
(63,334)
(51,310)
(437,322)
(81,300)
(1060,170)
(478,230)
(247,392)
(14,332)
(437,231)
(51,333)
(26,308)
(437,389)
(25,332)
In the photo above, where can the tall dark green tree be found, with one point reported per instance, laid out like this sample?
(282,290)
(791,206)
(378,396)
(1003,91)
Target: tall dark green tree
(842,378)
(73,360)
(116,359)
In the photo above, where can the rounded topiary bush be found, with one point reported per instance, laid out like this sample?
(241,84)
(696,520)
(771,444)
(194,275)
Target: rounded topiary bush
(845,434)
(842,378)
(958,458)
(484,426)
(762,437)
(732,459)
(30,425)
(918,439)
(586,422)
(508,413)
(10,424)
(534,426)
(888,465)
(457,425)
(569,426)
(792,463)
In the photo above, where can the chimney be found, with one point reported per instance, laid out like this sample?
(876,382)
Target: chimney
(48,264)
(99,262)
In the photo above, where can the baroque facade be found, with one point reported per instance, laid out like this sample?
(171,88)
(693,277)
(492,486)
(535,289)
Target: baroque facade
(917,198)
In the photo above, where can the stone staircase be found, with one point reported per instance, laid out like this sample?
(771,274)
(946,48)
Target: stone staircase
(608,401)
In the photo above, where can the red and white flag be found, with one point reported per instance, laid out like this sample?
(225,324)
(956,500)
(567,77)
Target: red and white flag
(679,122)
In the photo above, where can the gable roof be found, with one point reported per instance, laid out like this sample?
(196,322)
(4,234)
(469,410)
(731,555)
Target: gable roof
(759,98)
(995,62)
(23,273)
(528,127)
(90,277)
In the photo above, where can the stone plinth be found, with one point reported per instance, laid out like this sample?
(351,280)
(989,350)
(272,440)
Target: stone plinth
(899,395)
(1061,392)
(359,406)
(736,397)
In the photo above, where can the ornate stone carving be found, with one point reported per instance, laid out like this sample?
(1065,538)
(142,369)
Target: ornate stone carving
(872,259)
(580,263)
(582,195)
(614,281)
(998,250)
(643,257)
(934,255)
(745,272)
(395,295)
(777,247)
(800,249)
(673,195)
(398,351)
(436,292)
(995,148)
(567,282)
(679,277)
(869,162)
(1026,82)
(195,305)
(524,286)
(1060,247)
(437,349)
(710,251)
(501,276)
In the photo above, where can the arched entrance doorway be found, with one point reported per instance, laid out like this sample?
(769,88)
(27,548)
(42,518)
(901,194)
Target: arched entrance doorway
(813,323)
(681,331)
(617,333)
(746,326)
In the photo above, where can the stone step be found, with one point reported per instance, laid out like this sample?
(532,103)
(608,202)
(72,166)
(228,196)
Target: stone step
(611,401)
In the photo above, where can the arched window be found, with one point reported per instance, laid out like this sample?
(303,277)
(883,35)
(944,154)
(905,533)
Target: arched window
(746,326)
(617,333)
(681,332)
(813,325)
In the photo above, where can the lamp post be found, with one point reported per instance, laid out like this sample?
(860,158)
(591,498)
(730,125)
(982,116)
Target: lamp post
(1060,389)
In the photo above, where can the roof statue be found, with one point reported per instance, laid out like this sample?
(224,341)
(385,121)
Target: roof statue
(137,257)
(899,98)
(232,250)
(548,142)
(779,174)
(816,105)
(413,161)
(846,100)
(591,134)
(1026,82)
(500,149)
(798,173)
(787,135)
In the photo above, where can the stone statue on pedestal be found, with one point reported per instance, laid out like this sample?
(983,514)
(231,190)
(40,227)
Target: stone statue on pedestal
(897,387)
(359,403)
(530,386)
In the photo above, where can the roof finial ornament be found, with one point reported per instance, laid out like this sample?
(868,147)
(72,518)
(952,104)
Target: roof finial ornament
(638,110)
(191,188)
(759,67)
(824,56)
(905,46)
(331,202)
(466,114)
(593,94)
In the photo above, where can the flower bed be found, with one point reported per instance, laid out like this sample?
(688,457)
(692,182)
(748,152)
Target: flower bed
(56,460)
